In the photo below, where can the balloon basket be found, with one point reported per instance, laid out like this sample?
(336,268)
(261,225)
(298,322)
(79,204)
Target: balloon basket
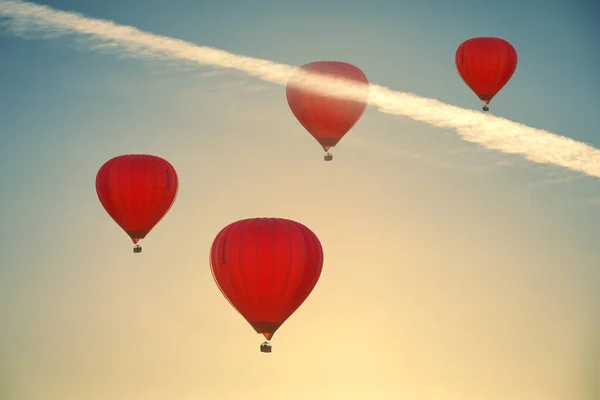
(137,248)
(486,108)
(328,157)
(265,347)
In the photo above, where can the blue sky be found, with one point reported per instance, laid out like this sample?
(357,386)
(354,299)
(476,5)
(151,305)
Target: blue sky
(477,270)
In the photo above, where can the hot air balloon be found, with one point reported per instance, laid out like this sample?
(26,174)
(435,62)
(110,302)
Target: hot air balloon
(486,64)
(266,268)
(137,190)
(327,118)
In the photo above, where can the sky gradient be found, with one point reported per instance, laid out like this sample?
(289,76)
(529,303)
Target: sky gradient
(451,272)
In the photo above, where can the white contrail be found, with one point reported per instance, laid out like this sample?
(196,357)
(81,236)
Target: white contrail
(31,20)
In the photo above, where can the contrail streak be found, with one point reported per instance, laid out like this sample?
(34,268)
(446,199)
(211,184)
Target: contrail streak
(30,20)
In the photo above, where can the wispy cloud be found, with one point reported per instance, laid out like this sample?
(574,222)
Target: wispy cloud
(587,203)
(413,155)
(213,73)
(555,179)
(30,20)
(255,88)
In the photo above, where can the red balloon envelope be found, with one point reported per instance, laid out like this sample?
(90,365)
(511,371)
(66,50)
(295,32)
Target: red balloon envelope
(486,64)
(137,190)
(266,268)
(327,118)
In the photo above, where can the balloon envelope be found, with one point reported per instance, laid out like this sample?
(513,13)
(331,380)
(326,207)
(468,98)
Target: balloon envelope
(486,64)
(327,118)
(266,268)
(137,190)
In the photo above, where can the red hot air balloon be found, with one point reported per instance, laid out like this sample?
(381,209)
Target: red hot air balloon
(266,268)
(327,118)
(137,190)
(486,64)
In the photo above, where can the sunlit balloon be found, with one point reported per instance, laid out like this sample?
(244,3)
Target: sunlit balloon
(486,64)
(266,268)
(137,190)
(327,118)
